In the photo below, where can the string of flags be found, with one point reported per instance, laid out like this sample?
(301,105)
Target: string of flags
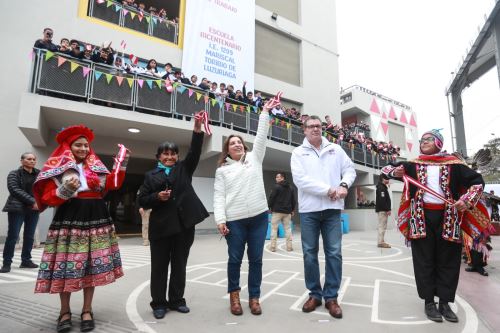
(140,15)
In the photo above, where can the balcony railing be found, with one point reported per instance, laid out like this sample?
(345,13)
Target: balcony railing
(65,77)
(132,18)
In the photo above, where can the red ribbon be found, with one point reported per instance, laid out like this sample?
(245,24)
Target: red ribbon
(120,157)
(407,180)
(203,116)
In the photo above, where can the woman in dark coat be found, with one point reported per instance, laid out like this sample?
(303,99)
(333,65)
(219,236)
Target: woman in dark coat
(176,209)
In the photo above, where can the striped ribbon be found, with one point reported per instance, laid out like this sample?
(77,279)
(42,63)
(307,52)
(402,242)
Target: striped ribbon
(120,157)
(407,180)
(203,116)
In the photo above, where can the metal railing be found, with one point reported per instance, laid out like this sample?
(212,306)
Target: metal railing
(133,18)
(99,83)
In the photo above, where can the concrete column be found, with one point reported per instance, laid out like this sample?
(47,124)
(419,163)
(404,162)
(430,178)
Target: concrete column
(458,118)
(496,36)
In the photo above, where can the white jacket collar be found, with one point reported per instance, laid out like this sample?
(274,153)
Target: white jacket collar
(324,143)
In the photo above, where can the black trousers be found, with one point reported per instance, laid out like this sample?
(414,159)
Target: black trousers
(436,262)
(173,250)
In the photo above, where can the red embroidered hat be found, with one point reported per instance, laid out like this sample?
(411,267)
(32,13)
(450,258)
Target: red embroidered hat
(70,134)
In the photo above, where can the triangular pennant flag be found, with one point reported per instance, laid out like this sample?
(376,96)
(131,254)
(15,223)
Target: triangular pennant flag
(234,106)
(109,3)
(140,82)
(402,118)
(221,103)
(190,92)
(374,107)
(150,83)
(384,126)
(85,71)
(288,125)
(227,106)
(119,79)
(132,15)
(125,12)
(108,77)
(242,108)
(140,16)
(248,108)
(158,83)
(213,101)
(175,84)
(74,66)
(168,86)
(60,61)
(130,82)
(181,89)
(97,75)
(198,96)
(48,55)
(117,7)
(148,18)
(410,145)
(392,114)
(155,20)
(206,98)
(412,120)
(255,109)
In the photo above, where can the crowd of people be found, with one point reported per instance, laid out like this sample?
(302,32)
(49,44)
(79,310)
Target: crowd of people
(141,7)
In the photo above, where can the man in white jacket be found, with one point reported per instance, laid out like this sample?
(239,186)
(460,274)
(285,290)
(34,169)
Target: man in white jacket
(322,172)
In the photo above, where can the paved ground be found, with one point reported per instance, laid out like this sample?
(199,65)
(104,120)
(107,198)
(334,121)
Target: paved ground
(377,294)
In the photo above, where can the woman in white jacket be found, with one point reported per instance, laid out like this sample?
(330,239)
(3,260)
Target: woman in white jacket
(240,210)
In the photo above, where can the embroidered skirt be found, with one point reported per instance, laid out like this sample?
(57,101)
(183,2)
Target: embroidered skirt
(81,249)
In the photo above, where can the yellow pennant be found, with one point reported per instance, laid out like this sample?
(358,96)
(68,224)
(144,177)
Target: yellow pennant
(74,66)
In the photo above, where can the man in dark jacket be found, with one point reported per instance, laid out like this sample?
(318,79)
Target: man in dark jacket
(21,208)
(383,208)
(176,209)
(282,204)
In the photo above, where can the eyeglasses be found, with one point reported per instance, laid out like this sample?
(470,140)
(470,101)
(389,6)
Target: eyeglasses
(49,34)
(428,139)
(313,126)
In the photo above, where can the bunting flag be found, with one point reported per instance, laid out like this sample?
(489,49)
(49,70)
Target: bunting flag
(86,71)
(412,120)
(175,84)
(140,82)
(227,106)
(190,92)
(125,12)
(168,86)
(74,66)
(158,83)
(181,89)
(198,96)
(148,19)
(132,15)
(221,103)
(206,98)
(248,108)
(155,20)
(60,61)
(117,7)
(130,82)
(234,107)
(255,109)
(392,113)
(119,79)
(109,3)
(48,55)
(374,107)
(242,108)
(97,75)
(150,83)
(213,101)
(108,77)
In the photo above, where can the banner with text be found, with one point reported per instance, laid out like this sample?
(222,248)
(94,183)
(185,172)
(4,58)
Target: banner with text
(219,41)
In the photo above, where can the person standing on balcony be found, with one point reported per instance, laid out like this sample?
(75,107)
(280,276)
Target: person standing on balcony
(46,41)
(240,210)
(434,226)
(21,209)
(175,210)
(282,205)
(322,172)
(383,209)
(81,250)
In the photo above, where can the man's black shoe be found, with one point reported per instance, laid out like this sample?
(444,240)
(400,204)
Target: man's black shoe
(159,313)
(5,269)
(180,308)
(447,313)
(432,312)
(28,264)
